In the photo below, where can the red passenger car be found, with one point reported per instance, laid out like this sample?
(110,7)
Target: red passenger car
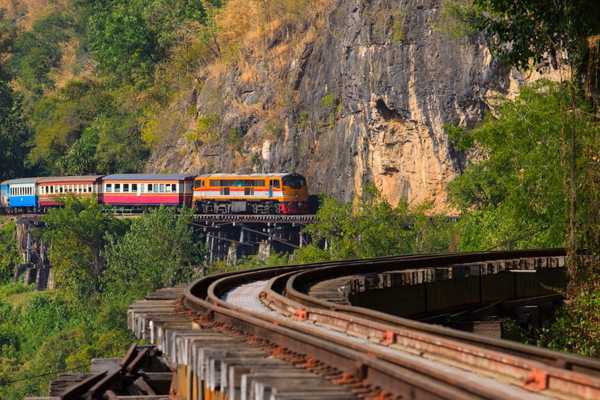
(52,190)
(142,190)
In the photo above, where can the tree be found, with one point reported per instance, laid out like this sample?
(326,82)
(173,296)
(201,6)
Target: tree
(77,234)
(516,196)
(159,250)
(14,133)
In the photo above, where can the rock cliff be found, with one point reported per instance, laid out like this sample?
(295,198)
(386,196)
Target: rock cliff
(359,93)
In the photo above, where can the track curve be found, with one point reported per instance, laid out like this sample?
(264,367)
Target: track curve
(401,357)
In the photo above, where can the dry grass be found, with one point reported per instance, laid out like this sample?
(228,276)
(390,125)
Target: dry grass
(28,11)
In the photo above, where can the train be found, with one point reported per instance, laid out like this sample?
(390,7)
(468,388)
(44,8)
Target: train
(270,193)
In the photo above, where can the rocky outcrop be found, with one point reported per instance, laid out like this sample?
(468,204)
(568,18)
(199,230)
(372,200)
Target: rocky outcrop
(360,94)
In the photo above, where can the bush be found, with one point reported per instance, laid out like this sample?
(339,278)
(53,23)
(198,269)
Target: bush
(575,328)
(159,250)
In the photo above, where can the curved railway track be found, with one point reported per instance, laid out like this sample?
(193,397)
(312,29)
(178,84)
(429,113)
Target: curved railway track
(370,354)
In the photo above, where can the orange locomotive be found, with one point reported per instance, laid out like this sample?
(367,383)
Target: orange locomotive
(253,194)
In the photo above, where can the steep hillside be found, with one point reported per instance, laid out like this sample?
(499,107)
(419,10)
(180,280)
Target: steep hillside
(346,92)
(358,92)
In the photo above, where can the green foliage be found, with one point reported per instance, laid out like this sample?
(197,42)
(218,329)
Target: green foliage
(398,29)
(234,138)
(129,38)
(275,128)
(459,137)
(458,19)
(82,129)
(9,254)
(38,51)
(80,158)
(159,250)
(99,270)
(373,228)
(206,130)
(78,233)
(575,328)
(515,196)
(14,133)
(532,30)
(45,333)
(59,120)
(328,101)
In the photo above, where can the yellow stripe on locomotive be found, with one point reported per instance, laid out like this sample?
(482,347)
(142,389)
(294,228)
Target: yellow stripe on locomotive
(280,193)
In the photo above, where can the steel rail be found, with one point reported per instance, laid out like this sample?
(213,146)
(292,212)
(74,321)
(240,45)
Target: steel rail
(356,361)
(392,372)
(295,292)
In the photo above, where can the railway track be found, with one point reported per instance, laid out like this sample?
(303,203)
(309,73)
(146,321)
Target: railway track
(262,334)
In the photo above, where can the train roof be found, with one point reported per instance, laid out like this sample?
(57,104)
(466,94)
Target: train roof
(149,177)
(20,181)
(252,175)
(77,178)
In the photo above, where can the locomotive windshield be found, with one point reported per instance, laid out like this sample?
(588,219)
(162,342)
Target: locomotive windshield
(294,181)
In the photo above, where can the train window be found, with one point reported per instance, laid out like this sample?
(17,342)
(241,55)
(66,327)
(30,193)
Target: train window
(149,187)
(134,187)
(276,183)
(198,183)
(108,188)
(162,188)
(126,188)
(174,188)
(225,191)
(294,181)
(215,183)
(117,188)
(168,188)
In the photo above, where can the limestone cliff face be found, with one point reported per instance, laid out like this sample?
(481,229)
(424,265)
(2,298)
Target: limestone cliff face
(362,94)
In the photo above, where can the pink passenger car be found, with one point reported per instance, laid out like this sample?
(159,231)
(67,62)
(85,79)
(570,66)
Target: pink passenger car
(143,190)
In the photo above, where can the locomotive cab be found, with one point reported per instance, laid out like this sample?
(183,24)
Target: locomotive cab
(295,195)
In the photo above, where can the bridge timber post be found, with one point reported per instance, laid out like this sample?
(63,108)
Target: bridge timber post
(233,236)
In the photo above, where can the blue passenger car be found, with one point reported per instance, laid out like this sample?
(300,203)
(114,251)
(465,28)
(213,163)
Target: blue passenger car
(22,193)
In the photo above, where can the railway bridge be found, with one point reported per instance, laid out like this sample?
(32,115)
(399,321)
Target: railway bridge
(296,332)
(227,236)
